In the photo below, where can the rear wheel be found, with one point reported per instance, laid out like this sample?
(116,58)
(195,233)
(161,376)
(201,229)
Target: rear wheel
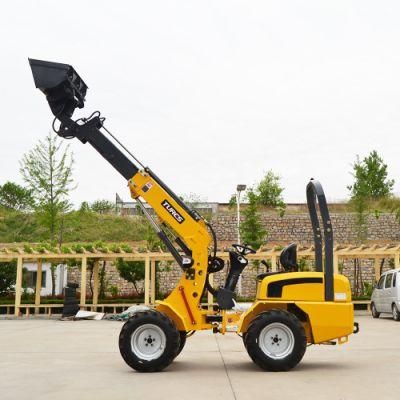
(149,341)
(182,335)
(244,338)
(395,312)
(374,312)
(276,340)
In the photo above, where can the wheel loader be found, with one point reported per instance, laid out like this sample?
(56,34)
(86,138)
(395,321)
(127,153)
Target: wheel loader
(292,309)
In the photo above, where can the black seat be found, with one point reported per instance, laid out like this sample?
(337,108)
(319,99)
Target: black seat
(288,258)
(260,277)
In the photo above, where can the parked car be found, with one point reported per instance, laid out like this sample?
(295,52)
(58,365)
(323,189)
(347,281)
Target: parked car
(386,295)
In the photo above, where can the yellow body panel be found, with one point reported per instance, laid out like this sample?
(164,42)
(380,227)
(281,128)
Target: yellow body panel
(324,320)
(186,315)
(329,320)
(305,291)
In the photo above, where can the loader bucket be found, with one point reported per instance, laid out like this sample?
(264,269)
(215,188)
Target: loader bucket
(63,87)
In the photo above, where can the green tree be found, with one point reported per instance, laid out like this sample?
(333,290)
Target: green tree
(47,169)
(131,271)
(16,197)
(371,187)
(269,191)
(251,229)
(360,206)
(232,201)
(8,275)
(102,206)
(84,207)
(371,178)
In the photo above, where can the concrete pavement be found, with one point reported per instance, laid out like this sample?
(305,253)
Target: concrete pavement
(48,359)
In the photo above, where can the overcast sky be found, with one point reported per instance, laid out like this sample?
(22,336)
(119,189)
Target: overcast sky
(212,93)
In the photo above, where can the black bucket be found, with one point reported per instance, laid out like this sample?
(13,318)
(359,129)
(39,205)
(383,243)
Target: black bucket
(63,87)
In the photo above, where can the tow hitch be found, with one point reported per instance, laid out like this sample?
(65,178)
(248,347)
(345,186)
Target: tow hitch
(356,327)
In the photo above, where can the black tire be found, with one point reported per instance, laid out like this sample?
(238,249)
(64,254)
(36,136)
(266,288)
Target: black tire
(138,336)
(374,313)
(244,338)
(395,312)
(286,329)
(182,335)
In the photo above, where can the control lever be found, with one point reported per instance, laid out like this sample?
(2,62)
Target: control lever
(238,262)
(243,250)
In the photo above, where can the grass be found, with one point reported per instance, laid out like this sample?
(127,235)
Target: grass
(78,227)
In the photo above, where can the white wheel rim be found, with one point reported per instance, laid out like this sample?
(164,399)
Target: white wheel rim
(276,340)
(148,342)
(395,311)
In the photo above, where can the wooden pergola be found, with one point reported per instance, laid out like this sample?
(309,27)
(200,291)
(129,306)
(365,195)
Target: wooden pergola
(375,252)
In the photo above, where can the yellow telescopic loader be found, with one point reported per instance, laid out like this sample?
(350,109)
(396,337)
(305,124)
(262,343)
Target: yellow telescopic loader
(292,309)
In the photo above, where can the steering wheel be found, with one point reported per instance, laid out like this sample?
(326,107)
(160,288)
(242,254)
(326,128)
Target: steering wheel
(243,250)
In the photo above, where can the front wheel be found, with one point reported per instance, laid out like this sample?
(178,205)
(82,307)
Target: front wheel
(395,312)
(182,336)
(374,312)
(276,340)
(149,341)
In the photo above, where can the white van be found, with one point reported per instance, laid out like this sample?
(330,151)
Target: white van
(386,295)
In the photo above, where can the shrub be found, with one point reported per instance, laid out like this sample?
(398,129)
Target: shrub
(8,275)
(131,271)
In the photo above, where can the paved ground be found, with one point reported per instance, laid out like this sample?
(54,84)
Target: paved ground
(48,359)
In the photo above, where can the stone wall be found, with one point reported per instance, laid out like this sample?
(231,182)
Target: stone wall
(297,228)
(168,275)
(112,278)
(289,228)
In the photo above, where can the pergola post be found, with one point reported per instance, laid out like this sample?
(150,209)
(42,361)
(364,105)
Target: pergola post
(377,269)
(153,281)
(18,287)
(83,282)
(147,281)
(273,263)
(397,260)
(95,299)
(38,286)
(335,263)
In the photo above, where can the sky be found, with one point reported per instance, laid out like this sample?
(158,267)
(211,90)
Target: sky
(210,94)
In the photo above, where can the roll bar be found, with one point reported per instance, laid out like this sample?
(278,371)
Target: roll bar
(315,193)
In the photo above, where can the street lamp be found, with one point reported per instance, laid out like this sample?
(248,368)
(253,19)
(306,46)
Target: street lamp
(239,189)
